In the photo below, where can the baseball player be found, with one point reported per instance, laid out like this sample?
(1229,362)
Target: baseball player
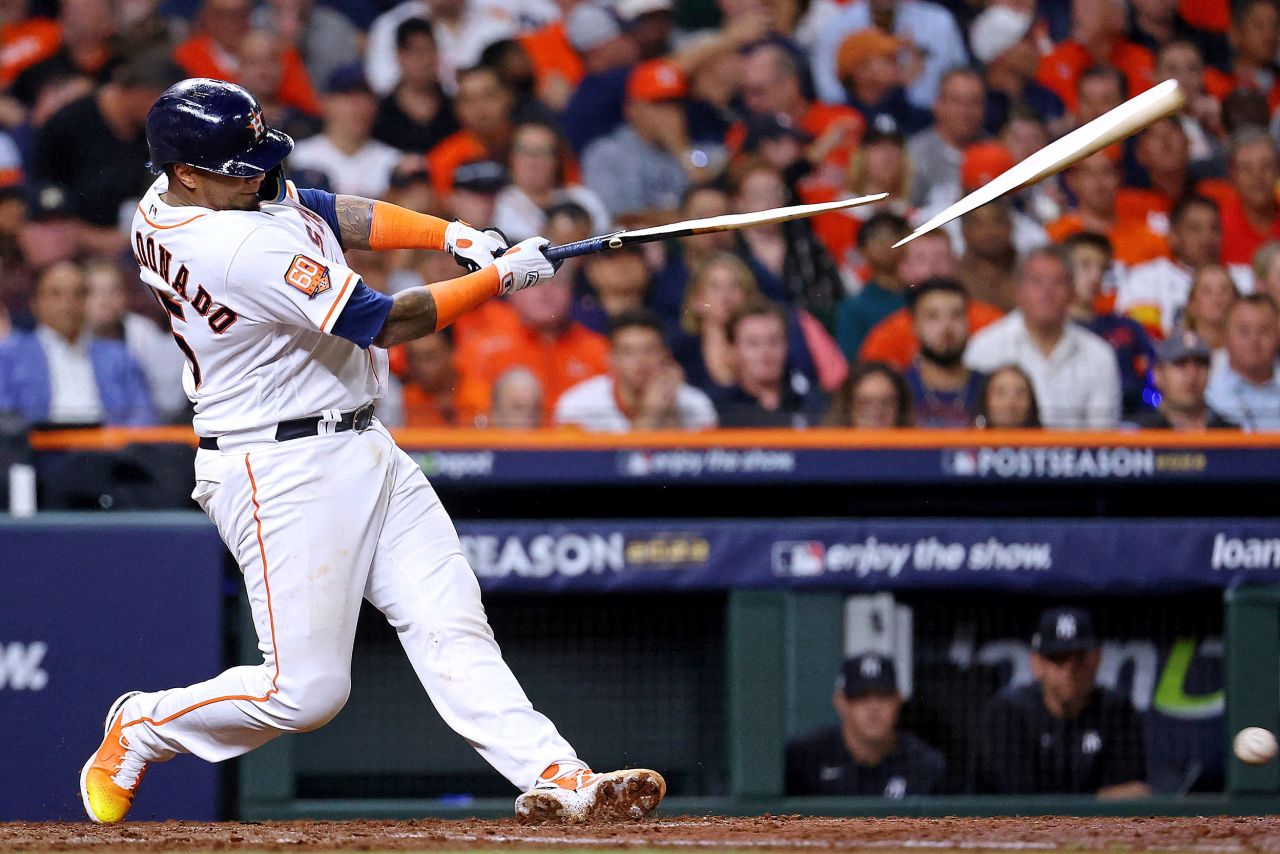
(284,351)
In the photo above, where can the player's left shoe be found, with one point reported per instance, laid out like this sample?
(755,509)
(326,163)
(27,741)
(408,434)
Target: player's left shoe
(112,774)
(572,794)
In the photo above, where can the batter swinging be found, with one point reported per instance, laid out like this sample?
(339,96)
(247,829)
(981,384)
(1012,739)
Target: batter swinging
(306,488)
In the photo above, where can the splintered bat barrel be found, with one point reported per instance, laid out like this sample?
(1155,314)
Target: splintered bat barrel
(1163,99)
(689,227)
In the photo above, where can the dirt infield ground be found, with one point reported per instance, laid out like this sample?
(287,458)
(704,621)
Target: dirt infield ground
(723,834)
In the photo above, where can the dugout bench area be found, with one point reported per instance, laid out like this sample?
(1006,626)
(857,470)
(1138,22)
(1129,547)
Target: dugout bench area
(685,604)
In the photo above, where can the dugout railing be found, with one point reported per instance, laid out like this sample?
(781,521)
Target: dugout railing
(705,633)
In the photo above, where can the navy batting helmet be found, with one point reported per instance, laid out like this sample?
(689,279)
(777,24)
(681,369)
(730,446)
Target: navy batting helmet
(218,127)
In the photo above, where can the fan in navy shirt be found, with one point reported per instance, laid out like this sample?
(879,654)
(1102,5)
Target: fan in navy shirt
(944,393)
(866,754)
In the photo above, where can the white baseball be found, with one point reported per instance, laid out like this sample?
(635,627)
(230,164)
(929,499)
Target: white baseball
(1254,745)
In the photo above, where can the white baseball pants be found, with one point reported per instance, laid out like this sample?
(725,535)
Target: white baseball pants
(317,524)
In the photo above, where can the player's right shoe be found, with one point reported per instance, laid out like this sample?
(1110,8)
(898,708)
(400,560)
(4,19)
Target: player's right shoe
(112,774)
(572,794)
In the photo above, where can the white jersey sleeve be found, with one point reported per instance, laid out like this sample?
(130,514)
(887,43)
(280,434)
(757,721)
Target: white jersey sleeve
(275,276)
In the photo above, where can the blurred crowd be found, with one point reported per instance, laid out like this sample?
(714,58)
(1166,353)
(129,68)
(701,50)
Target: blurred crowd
(1138,289)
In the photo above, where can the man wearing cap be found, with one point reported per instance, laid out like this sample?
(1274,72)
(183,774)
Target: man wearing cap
(632,169)
(867,65)
(474,197)
(344,150)
(1182,375)
(1001,40)
(866,754)
(1062,734)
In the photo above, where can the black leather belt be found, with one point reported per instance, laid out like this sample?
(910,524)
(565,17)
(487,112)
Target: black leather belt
(300,428)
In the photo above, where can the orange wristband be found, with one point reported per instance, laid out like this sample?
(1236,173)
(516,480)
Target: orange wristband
(394,227)
(455,297)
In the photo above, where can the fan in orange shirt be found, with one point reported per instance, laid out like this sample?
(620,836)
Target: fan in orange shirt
(25,41)
(1097,38)
(484,107)
(435,394)
(1255,40)
(1094,182)
(1162,150)
(212,52)
(893,340)
(538,334)
(557,68)
(1250,211)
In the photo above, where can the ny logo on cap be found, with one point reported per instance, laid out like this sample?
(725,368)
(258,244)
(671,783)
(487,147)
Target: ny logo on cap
(257,125)
(1066,628)
(870,667)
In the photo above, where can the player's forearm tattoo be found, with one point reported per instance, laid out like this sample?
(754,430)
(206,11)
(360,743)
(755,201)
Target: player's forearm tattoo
(413,315)
(355,219)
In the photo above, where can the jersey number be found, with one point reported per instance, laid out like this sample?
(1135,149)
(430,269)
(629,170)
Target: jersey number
(310,277)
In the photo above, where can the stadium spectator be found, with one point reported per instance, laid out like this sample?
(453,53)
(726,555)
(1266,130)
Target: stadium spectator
(95,148)
(789,262)
(882,294)
(557,68)
(893,340)
(1161,175)
(354,162)
(1209,300)
(1255,38)
(533,329)
(643,390)
(87,50)
(1097,38)
(868,69)
(1245,389)
(937,153)
(772,85)
(1250,213)
(213,48)
(608,56)
(1181,377)
(1094,182)
(484,108)
(981,163)
(1155,23)
(463,29)
(515,69)
(633,168)
(1074,372)
(474,195)
(867,753)
(874,397)
(324,38)
(517,401)
(670,284)
(1090,256)
(25,39)
(60,373)
(762,393)
(260,72)
(537,184)
(1007,401)
(944,393)
(988,268)
(108,317)
(1155,293)
(416,115)
(1266,270)
(1099,90)
(1002,39)
(616,284)
(434,392)
(1062,734)
(930,28)
(651,23)
(1201,120)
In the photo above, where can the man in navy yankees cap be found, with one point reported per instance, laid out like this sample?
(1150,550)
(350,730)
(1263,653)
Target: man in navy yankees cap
(1062,733)
(866,754)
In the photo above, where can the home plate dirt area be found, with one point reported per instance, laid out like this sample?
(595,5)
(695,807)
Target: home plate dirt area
(706,833)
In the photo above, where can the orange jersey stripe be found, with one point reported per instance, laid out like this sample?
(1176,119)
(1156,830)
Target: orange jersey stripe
(324,325)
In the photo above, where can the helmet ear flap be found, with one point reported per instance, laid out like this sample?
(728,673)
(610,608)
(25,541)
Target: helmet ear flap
(272,188)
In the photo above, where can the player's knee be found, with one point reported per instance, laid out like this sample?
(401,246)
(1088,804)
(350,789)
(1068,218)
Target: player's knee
(318,700)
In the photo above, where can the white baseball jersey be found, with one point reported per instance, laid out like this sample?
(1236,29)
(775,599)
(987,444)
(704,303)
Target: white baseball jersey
(251,297)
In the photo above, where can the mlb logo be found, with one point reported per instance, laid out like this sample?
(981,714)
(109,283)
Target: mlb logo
(799,559)
(961,463)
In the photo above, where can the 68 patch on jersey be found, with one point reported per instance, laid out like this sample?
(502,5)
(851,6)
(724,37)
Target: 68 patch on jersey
(309,276)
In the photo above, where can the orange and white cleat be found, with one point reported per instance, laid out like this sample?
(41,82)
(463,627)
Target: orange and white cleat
(574,793)
(112,774)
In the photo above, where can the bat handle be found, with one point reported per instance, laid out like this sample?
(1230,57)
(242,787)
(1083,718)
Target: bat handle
(579,247)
